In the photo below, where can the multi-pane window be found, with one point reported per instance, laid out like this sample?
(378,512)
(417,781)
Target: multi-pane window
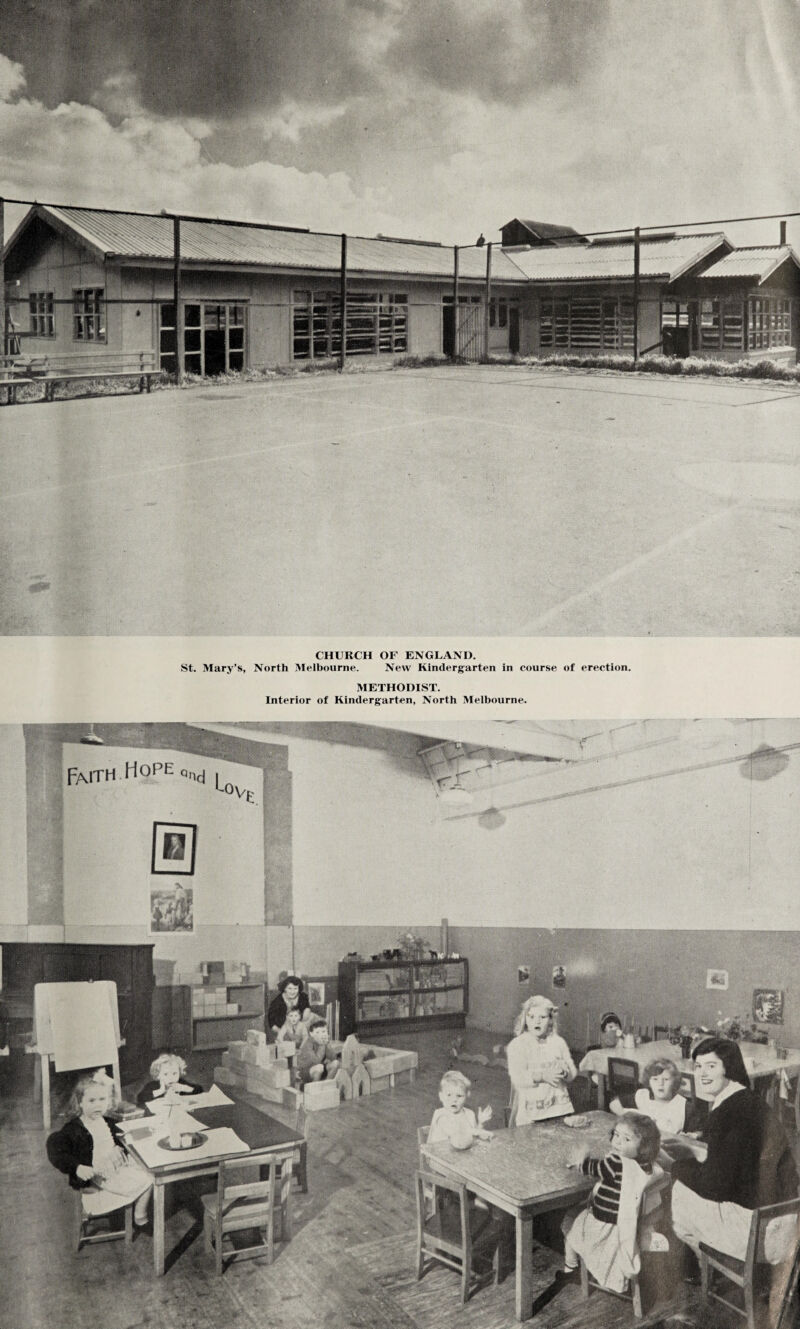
(213,338)
(733,325)
(709,324)
(43,323)
(88,315)
(588,325)
(377,323)
(768,322)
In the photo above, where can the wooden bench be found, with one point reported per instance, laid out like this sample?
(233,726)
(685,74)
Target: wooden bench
(53,369)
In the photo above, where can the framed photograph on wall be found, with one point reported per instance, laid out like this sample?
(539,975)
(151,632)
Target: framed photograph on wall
(768,1006)
(174,845)
(316,993)
(171,907)
(718,979)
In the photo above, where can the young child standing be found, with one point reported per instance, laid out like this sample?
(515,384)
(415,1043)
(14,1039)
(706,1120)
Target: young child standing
(454,1121)
(315,1060)
(90,1150)
(167,1084)
(605,1234)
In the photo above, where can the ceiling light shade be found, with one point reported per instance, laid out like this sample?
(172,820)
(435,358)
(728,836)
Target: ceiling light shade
(455,795)
(92,737)
(491,819)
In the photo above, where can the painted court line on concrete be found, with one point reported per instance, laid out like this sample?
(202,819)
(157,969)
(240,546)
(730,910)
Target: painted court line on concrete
(536,624)
(91,481)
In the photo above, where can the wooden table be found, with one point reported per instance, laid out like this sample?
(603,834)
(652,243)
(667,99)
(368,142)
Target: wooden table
(263,1135)
(523,1171)
(760,1060)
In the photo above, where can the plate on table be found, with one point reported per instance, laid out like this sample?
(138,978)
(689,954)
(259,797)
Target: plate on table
(577,1121)
(197,1138)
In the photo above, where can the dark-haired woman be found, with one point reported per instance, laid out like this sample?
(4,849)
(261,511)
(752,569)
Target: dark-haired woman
(748,1165)
(291,996)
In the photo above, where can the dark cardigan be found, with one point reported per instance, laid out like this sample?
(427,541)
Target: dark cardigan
(749,1160)
(73,1145)
(276,1012)
(147,1093)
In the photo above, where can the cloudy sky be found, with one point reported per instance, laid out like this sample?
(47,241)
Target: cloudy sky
(428,118)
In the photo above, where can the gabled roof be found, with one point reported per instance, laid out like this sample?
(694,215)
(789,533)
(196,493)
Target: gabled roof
(755,262)
(544,230)
(130,237)
(659,259)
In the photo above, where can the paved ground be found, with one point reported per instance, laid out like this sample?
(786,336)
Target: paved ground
(483,500)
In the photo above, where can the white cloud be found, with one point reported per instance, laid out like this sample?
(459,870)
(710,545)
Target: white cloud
(12,78)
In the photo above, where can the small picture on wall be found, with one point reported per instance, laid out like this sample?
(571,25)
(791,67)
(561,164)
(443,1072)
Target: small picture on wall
(718,979)
(559,976)
(171,907)
(523,973)
(174,846)
(768,1006)
(316,994)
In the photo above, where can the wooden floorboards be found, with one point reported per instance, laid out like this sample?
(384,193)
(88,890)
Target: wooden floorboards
(351,1262)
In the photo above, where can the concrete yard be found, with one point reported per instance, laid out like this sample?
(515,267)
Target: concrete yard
(485,500)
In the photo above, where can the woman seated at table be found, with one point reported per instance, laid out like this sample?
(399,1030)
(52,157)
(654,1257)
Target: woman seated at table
(749,1163)
(539,1064)
(660,1100)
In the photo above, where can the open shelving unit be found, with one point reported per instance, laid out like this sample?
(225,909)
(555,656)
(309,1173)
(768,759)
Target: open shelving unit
(388,996)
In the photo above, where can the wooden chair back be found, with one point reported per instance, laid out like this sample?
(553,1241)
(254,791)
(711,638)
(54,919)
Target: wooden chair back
(686,1086)
(239,1206)
(661,1033)
(449,1229)
(743,1274)
(649,1205)
(623,1076)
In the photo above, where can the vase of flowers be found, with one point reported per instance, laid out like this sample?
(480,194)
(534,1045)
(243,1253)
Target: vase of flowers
(411,946)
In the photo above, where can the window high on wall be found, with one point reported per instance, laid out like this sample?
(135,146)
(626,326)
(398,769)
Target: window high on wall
(41,307)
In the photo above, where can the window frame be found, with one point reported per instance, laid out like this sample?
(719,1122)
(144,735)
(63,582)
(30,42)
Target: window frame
(88,315)
(41,308)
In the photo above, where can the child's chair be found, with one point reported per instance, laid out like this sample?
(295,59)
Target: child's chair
(84,1223)
(623,1076)
(453,1232)
(745,1274)
(248,1206)
(648,1239)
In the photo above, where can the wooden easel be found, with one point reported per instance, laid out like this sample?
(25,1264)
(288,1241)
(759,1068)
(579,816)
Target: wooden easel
(76,1026)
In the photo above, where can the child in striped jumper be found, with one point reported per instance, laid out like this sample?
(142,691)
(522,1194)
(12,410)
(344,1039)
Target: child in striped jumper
(605,1233)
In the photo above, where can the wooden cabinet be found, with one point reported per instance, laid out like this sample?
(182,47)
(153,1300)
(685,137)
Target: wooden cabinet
(389,996)
(131,967)
(214,1023)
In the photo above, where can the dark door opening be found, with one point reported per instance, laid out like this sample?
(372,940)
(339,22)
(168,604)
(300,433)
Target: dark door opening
(513,329)
(449,330)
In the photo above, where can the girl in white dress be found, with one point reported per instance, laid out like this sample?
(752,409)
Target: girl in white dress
(659,1097)
(539,1064)
(90,1149)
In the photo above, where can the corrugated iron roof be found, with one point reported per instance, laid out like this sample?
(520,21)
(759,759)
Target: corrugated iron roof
(664,259)
(131,236)
(547,230)
(756,261)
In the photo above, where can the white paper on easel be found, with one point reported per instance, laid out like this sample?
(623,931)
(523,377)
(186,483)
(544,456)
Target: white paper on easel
(77,1023)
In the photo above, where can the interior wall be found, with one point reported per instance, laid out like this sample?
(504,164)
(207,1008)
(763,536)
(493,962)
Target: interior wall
(113,796)
(13,831)
(645,975)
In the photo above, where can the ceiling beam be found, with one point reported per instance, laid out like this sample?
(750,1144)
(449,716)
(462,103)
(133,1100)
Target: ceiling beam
(497,734)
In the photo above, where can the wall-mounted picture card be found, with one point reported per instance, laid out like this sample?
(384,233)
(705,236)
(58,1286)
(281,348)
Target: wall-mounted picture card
(171,907)
(559,976)
(316,994)
(523,973)
(768,1006)
(174,845)
(717,979)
